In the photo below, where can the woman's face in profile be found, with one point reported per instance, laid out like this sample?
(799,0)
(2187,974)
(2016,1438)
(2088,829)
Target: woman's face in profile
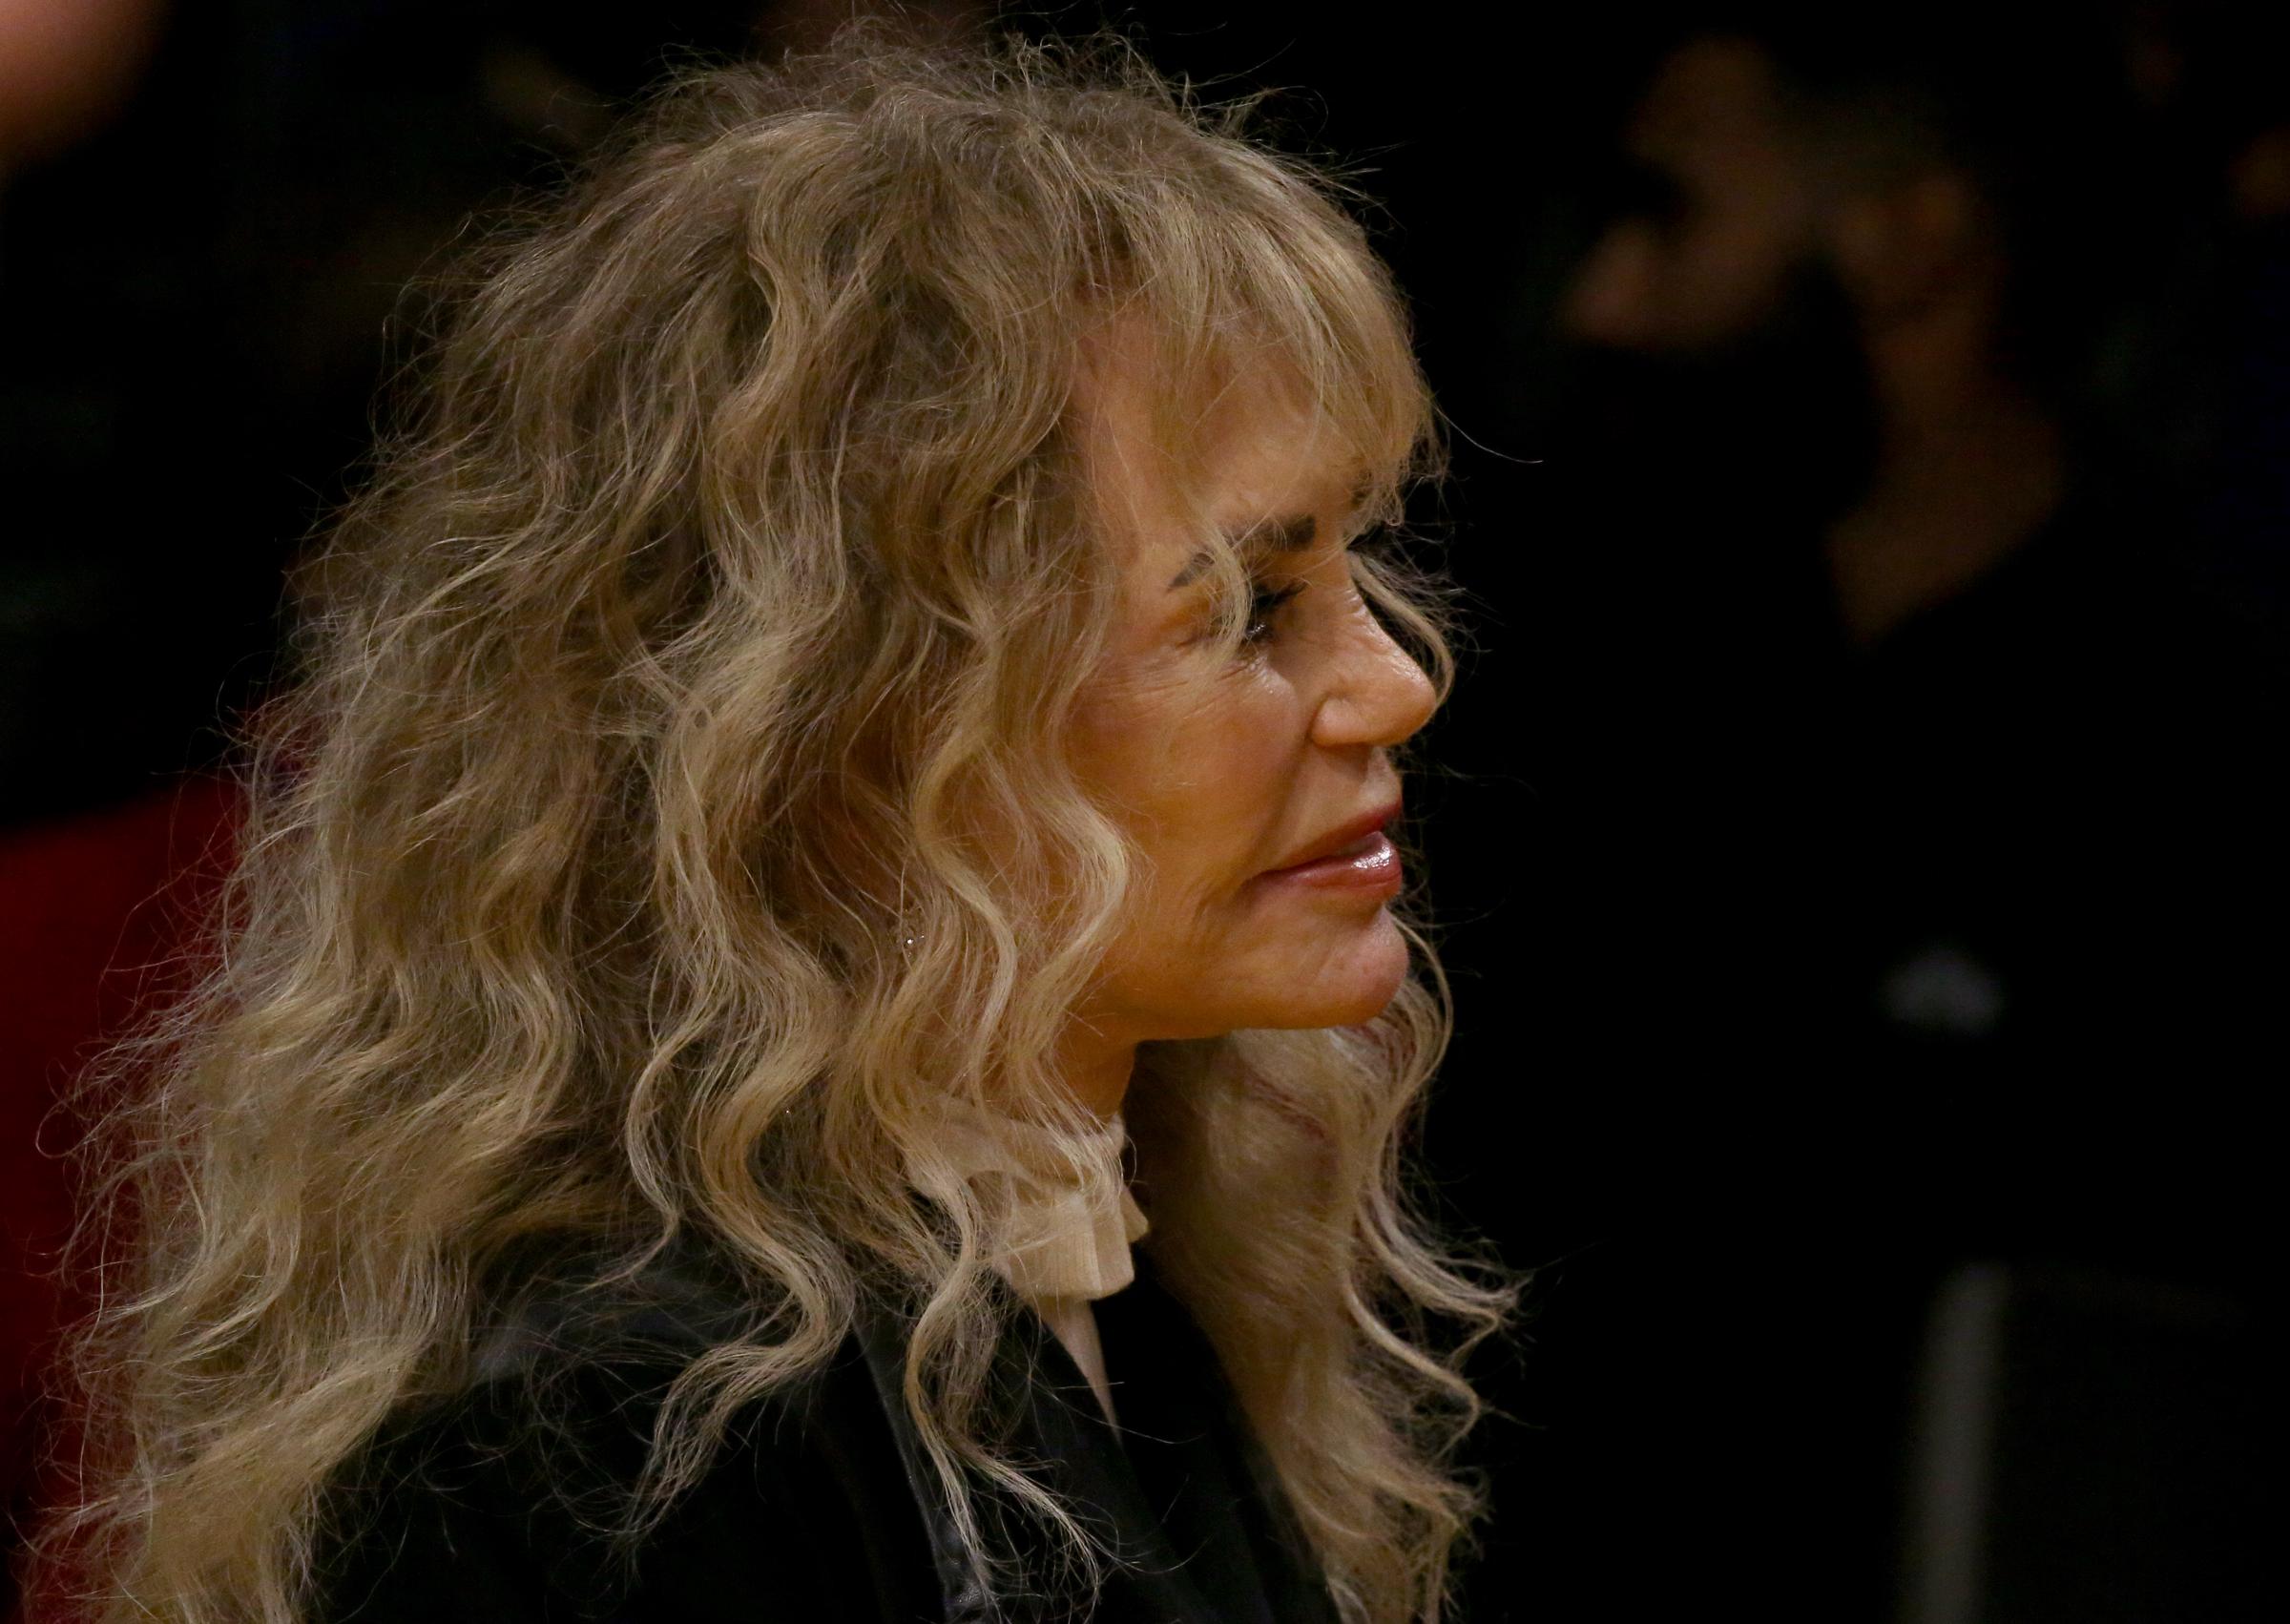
(1255,781)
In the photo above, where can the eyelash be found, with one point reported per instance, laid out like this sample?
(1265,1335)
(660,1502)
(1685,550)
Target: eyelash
(1266,601)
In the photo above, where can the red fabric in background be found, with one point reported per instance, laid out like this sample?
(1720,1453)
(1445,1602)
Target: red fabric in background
(101,911)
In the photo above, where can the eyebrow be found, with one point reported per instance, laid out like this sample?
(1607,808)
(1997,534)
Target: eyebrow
(1293,534)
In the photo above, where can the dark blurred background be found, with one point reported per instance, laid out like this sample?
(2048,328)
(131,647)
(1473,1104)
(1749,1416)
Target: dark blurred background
(1858,838)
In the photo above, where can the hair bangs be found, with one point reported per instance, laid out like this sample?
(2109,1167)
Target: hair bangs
(1265,284)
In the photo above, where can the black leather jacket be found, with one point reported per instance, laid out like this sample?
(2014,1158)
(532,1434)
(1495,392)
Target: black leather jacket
(820,1506)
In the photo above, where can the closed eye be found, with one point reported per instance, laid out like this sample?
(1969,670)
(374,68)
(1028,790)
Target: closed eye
(1264,603)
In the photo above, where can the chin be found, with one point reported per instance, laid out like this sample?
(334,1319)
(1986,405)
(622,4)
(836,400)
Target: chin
(1352,990)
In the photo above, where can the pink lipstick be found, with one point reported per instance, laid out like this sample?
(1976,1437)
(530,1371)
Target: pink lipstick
(1357,856)
(1369,864)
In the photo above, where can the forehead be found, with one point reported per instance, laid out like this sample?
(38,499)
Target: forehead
(1242,449)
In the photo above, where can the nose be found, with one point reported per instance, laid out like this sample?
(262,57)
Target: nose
(1376,694)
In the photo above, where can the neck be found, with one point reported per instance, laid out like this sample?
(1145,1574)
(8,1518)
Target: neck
(1096,1067)
(1967,473)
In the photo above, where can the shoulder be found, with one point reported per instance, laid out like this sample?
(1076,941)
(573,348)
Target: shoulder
(516,1499)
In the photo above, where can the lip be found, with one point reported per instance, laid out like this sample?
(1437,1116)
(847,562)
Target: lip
(1355,854)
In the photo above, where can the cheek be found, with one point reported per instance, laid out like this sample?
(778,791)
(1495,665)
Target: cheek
(1198,772)
(1226,783)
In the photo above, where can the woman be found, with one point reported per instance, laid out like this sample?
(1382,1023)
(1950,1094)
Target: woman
(842,778)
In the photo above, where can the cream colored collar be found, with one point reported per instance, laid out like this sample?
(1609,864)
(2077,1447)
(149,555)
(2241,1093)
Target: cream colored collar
(1070,1226)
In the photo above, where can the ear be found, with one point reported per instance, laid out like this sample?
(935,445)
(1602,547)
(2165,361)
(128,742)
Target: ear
(1903,247)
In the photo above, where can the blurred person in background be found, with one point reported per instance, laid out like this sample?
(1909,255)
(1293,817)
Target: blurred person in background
(1914,705)
(1898,705)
